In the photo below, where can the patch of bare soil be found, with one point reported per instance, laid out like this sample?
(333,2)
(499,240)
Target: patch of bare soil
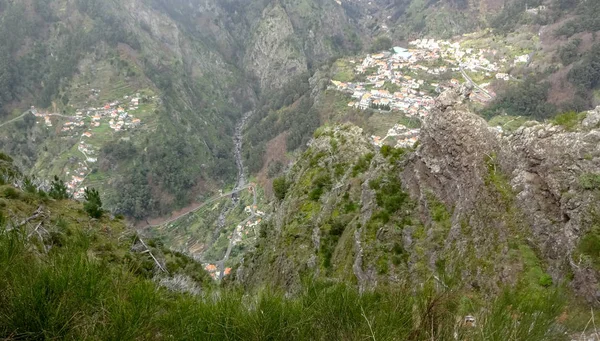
(275,151)
(561,90)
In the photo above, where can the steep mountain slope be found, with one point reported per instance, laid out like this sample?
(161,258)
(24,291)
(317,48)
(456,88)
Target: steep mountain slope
(193,65)
(197,66)
(66,276)
(473,208)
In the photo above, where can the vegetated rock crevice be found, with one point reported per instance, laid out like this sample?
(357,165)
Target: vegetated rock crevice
(522,186)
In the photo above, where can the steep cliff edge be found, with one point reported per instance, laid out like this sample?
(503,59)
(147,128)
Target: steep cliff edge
(554,173)
(547,203)
(470,206)
(275,54)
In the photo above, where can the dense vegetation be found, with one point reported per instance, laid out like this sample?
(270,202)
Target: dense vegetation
(67,295)
(577,17)
(289,110)
(588,17)
(528,98)
(512,14)
(586,73)
(64,276)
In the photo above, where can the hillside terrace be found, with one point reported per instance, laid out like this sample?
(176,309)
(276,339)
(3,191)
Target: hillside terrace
(91,126)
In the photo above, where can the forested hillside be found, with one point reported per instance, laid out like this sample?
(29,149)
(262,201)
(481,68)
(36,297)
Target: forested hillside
(195,68)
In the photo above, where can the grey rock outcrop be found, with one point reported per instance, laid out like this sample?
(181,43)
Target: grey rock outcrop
(275,55)
(453,145)
(592,119)
(542,163)
(545,164)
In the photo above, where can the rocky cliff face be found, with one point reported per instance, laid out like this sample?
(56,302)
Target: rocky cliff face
(290,36)
(548,167)
(275,53)
(544,165)
(470,206)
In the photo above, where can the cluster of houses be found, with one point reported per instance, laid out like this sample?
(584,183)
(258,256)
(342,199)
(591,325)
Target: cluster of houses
(455,56)
(87,149)
(116,114)
(395,71)
(400,69)
(244,229)
(536,10)
(237,236)
(76,177)
(214,272)
(400,79)
(470,59)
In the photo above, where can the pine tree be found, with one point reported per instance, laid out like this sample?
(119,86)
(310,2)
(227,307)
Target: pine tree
(93,204)
(58,189)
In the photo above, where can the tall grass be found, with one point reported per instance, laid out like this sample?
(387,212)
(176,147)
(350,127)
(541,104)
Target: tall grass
(69,294)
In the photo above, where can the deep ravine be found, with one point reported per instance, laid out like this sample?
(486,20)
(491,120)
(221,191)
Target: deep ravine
(238,141)
(240,183)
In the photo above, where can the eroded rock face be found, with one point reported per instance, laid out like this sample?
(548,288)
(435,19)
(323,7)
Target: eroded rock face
(275,53)
(453,145)
(542,163)
(592,120)
(545,164)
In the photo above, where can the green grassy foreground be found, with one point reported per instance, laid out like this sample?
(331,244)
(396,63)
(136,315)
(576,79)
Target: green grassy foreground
(64,276)
(69,294)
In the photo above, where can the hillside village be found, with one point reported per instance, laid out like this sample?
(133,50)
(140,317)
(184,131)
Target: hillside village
(89,125)
(247,229)
(407,80)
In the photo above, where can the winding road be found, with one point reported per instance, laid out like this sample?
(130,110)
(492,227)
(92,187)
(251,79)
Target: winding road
(194,210)
(464,74)
(234,236)
(15,119)
(26,113)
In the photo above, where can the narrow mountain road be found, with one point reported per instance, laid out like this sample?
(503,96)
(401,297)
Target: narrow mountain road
(15,119)
(465,76)
(195,209)
(25,114)
(237,234)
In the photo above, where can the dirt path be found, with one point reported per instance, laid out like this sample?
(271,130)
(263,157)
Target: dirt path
(15,119)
